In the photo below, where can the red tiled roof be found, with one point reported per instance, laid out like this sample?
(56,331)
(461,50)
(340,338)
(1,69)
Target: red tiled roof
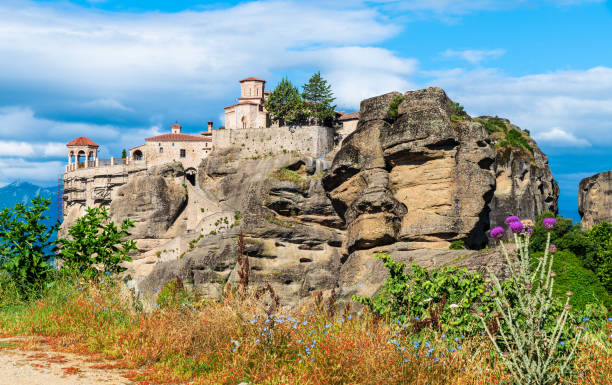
(140,145)
(177,138)
(82,141)
(266,92)
(252,78)
(352,115)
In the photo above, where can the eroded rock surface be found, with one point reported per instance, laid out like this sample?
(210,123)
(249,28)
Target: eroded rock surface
(524,183)
(406,183)
(595,199)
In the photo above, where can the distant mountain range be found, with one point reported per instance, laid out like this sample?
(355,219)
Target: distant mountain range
(23,192)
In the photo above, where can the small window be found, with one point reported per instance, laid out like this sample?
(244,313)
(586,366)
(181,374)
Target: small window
(161,150)
(183,153)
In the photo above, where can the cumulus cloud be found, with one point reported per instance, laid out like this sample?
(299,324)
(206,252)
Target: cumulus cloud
(474,56)
(38,172)
(30,150)
(146,60)
(558,137)
(561,107)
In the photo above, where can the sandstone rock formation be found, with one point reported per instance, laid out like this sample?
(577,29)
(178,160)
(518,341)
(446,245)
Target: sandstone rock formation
(407,183)
(420,179)
(595,199)
(524,183)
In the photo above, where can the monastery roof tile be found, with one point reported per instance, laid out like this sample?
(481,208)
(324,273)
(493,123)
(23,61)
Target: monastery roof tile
(82,141)
(352,115)
(178,138)
(252,78)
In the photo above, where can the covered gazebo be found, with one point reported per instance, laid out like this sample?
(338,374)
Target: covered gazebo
(82,152)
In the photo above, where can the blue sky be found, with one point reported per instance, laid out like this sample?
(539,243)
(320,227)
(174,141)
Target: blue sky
(118,71)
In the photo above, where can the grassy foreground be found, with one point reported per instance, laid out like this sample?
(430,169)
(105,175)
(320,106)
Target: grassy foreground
(236,341)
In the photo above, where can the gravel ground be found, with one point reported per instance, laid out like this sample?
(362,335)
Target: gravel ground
(40,366)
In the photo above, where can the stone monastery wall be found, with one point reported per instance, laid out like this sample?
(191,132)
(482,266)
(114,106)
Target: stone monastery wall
(310,140)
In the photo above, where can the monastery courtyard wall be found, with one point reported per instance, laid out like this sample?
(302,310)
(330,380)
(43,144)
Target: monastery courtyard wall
(311,140)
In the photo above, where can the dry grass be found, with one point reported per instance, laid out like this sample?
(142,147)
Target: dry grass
(235,341)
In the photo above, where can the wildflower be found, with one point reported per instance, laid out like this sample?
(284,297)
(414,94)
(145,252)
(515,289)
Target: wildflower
(512,218)
(497,232)
(553,249)
(609,319)
(453,306)
(585,319)
(549,223)
(443,335)
(569,293)
(527,223)
(516,227)
(562,343)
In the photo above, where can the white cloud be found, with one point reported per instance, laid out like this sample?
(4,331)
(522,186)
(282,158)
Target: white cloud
(16,168)
(579,101)
(560,138)
(18,122)
(474,56)
(30,150)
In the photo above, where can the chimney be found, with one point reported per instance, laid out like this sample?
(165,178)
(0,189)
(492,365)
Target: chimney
(176,128)
(210,124)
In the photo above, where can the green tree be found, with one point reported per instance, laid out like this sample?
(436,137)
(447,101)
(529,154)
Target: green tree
(285,104)
(600,261)
(95,240)
(124,154)
(319,98)
(26,245)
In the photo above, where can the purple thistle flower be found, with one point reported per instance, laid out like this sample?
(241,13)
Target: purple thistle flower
(516,227)
(553,249)
(512,219)
(549,223)
(497,232)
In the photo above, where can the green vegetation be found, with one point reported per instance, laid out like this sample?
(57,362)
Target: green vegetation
(493,125)
(174,294)
(457,245)
(593,247)
(319,98)
(507,138)
(394,107)
(26,246)
(123,153)
(279,222)
(314,105)
(285,104)
(443,299)
(95,240)
(284,174)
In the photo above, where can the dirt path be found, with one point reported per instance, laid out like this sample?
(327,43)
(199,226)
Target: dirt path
(24,361)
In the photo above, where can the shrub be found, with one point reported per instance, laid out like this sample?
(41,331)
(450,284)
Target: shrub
(173,294)
(514,138)
(445,298)
(26,245)
(284,174)
(600,260)
(529,342)
(394,106)
(95,240)
(493,125)
(457,245)
(572,276)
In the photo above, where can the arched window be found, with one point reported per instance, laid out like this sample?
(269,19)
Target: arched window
(137,155)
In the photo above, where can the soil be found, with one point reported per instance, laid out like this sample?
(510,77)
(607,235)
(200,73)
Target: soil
(30,361)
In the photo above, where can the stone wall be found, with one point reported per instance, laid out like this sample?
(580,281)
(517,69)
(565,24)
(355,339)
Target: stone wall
(312,140)
(94,187)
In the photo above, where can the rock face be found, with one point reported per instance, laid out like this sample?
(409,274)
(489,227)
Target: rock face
(524,183)
(595,199)
(419,178)
(405,182)
(153,200)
